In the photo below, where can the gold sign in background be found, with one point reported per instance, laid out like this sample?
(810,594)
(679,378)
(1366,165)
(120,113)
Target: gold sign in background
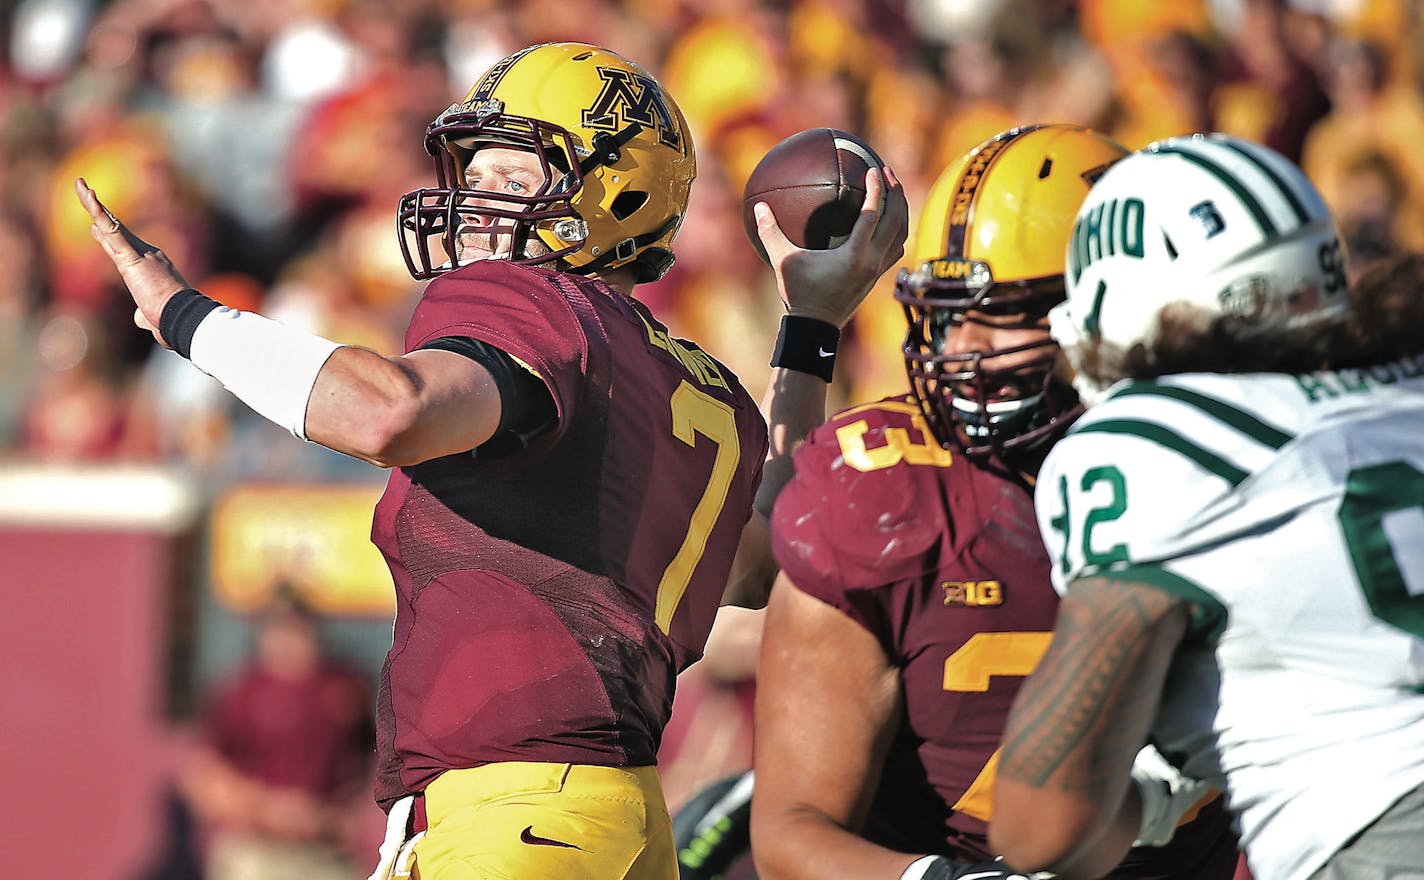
(317,539)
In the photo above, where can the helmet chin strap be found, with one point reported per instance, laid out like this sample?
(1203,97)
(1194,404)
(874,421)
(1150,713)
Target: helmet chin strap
(608,148)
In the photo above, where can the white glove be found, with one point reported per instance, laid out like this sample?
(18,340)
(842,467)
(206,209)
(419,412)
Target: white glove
(1166,796)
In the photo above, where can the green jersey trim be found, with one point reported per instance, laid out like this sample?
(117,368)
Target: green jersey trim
(1257,429)
(1209,616)
(1155,433)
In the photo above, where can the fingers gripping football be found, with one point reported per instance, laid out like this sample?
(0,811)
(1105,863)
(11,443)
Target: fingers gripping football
(829,218)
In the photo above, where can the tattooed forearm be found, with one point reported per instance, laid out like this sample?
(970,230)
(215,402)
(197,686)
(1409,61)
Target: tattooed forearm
(1095,688)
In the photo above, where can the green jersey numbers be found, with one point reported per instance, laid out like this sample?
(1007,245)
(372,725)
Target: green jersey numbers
(1104,494)
(1382,516)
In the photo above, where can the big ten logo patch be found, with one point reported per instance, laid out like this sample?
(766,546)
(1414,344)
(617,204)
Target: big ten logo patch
(972,593)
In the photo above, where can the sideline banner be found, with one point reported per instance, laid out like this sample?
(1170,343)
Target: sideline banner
(316,538)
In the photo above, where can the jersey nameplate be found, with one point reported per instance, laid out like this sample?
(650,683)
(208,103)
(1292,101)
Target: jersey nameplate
(1327,386)
(698,362)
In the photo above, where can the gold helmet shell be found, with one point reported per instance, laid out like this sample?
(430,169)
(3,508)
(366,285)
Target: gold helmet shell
(992,239)
(617,151)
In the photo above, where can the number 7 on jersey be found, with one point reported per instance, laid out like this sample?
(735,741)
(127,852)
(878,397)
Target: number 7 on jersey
(693,413)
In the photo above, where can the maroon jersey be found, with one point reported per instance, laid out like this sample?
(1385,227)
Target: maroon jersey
(942,562)
(547,601)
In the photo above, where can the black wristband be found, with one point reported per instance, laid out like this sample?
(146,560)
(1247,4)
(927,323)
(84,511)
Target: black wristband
(182,314)
(807,345)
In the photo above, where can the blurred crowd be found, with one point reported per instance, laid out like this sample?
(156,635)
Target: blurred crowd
(264,144)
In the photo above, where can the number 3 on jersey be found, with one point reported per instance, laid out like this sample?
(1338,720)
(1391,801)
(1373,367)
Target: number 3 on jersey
(693,413)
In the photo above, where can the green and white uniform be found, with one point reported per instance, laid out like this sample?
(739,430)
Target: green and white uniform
(1290,512)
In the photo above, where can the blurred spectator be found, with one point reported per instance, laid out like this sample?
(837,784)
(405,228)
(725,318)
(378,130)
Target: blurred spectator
(78,407)
(1374,212)
(709,736)
(1269,93)
(283,772)
(1365,155)
(19,300)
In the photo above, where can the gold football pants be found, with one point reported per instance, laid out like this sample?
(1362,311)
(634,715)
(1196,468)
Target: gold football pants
(518,820)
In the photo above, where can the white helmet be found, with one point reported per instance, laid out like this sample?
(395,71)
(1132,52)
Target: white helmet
(1223,224)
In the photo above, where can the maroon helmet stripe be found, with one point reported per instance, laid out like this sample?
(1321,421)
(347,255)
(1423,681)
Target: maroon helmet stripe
(492,77)
(966,191)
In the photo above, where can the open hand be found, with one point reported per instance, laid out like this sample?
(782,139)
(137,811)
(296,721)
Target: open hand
(149,275)
(830,284)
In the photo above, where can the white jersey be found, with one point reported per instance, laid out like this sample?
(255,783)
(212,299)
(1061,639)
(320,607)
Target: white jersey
(1290,511)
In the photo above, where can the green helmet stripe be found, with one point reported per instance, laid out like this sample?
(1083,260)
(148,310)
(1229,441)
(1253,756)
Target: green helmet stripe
(1253,206)
(1296,204)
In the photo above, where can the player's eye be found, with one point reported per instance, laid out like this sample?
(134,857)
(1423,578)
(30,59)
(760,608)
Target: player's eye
(517,187)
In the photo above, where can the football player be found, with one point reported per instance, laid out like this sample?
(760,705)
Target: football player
(1238,525)
(574,490)
(914,595)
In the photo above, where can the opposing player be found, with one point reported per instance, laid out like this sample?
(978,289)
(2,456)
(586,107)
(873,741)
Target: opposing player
(572,483)
(1238,522)
(914,595)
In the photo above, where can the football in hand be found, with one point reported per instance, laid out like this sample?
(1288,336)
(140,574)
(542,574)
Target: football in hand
(814,182)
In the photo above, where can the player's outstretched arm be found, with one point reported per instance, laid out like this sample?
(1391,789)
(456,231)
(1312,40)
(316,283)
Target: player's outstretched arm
(821,290)
(389,411)
(827,699)
(1063,798)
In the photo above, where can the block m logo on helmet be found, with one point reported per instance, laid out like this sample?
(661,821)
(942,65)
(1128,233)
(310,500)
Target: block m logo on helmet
(628,97)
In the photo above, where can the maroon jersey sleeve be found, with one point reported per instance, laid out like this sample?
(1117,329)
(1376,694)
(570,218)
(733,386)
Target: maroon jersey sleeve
(521,313)
(858,513)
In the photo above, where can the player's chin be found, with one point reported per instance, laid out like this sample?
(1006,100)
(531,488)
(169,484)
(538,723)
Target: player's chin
(474,253)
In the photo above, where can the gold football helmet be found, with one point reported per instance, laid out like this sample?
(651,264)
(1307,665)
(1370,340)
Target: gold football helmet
(992,240)
(616,152)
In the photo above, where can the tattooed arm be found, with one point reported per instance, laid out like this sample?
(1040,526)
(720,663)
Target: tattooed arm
(1062,801)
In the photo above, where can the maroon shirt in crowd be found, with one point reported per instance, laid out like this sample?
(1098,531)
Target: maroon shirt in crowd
(527,587)
(311,733)
(942,563)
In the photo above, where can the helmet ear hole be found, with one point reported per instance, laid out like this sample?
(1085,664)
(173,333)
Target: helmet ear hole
(626,203)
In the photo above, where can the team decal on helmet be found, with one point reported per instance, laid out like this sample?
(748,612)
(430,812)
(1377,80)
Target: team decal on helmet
(628,98)
(1110,228)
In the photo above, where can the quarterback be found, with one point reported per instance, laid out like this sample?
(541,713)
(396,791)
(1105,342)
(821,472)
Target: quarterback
(574,490)
(914,595)
(1238,525)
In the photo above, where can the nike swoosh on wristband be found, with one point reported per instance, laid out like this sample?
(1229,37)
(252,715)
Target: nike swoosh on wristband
(825,354)
(528,836)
